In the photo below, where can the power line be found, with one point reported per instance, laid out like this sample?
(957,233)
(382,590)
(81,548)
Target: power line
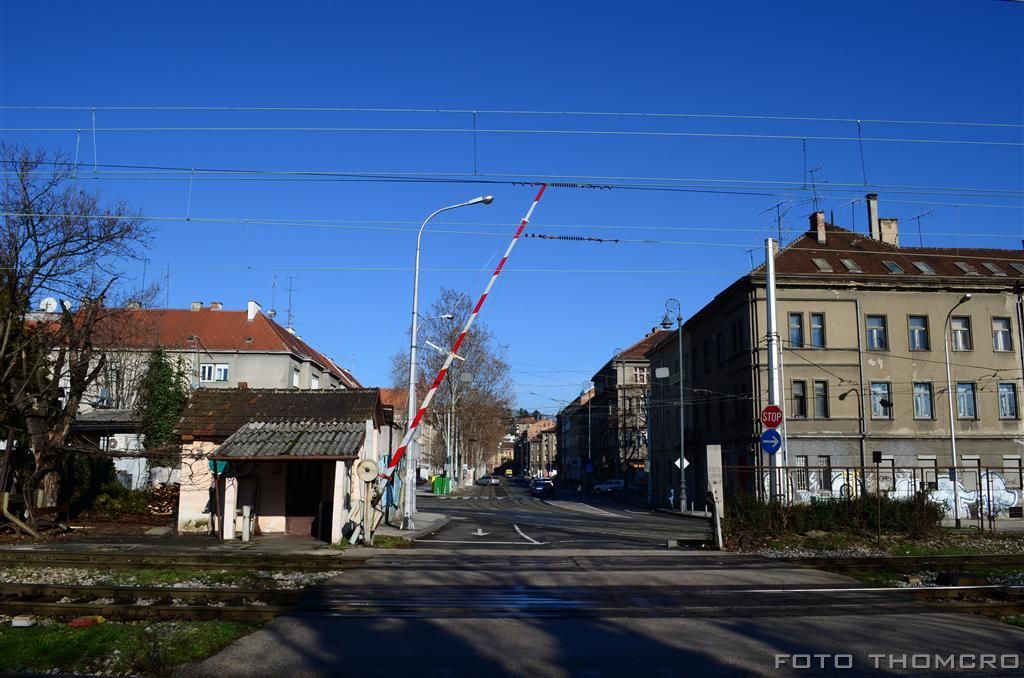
(510,112)
(537,131)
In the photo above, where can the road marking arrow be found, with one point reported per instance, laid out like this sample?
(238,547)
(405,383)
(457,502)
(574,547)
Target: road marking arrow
(480,532)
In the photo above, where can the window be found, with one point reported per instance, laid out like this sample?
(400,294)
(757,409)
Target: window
(817,330)
(295,378)
(822,265)
(995,270)
(893,267)
(206,372)
(796,330)
(799,399)
(821,399)
(640,375)
(918,325)
(881,400)
(1018,267)
(854,267)
(924,267)
(923,400)
(878,337)
(966,401)
(1007,401)
(220,372)
(1001,338)
(314,382)
(800,478)
(961,328)
(965,267)
(825,472)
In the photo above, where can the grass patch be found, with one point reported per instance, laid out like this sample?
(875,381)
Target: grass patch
(385,541)
(1016,620)
(164,577)
(877,578)
(146,648)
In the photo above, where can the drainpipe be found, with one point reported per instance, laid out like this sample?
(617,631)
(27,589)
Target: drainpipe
(860,397)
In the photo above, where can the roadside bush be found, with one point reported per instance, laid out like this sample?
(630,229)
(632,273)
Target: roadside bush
(115,499)
(748,519)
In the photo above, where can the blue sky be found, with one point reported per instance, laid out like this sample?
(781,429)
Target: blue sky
(562,307)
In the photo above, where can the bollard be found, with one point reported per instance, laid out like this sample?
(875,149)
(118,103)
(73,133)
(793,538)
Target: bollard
(246,513)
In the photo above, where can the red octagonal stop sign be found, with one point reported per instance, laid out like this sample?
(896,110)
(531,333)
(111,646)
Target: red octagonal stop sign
(771,416)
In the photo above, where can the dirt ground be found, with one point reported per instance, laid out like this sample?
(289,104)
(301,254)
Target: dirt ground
(88,525)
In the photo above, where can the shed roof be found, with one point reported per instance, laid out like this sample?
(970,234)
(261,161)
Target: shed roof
(291,439)
(218,413)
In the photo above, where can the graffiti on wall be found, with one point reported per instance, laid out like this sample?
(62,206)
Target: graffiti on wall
(989,495)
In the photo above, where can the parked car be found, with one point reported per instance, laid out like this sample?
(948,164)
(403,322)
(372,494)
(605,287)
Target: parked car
(610,487)
(488,480)
(542,487)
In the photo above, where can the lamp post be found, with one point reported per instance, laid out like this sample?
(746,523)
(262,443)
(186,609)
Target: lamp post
(669,306)
(589,468)
(410,466)
(950,394)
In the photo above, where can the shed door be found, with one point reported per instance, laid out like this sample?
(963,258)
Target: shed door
(302,498)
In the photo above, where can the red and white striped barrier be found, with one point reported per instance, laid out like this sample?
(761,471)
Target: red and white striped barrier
(389,472)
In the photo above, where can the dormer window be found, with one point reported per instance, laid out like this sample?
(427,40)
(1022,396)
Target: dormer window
(924,267)
(853,267)
(966,268)
(1018,267)
(893,267)
(995,270)
(822,265)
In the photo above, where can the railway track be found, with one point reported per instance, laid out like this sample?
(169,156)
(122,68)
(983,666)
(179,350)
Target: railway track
(910,563)
(142,603)
(200,560)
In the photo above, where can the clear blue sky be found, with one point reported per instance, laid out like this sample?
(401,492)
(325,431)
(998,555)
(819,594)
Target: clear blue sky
(561,316)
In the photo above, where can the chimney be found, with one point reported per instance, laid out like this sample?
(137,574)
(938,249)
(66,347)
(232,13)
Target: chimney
(872,202)
(242,385)
(252,309)
(216,305)
(818,226)
(889,231)
(196,305)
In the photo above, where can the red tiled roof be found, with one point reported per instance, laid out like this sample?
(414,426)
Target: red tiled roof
(871,255)
(396,397)
(640,348)
(217,331)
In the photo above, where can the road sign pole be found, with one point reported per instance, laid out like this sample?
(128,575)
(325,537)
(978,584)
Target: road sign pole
(773,361)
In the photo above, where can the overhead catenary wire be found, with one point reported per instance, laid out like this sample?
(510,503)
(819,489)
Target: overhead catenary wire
(510,112)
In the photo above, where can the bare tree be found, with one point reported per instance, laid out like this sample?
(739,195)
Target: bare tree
(58,241)
(477,389)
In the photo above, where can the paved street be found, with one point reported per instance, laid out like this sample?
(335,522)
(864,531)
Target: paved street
(567,588)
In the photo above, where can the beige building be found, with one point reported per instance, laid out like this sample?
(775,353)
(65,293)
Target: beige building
(861,323)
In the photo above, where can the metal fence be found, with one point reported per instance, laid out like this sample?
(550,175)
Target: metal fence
(979,493)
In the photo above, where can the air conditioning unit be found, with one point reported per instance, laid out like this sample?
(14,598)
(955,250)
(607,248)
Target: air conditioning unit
(111,443)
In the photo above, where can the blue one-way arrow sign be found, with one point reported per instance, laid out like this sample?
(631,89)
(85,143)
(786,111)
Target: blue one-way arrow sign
(771,441)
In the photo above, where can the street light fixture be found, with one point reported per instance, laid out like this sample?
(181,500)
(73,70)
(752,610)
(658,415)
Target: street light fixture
(950,394)
(667,323)
(410,466)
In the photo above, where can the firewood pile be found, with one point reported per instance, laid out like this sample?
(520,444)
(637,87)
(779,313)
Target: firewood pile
(164,501)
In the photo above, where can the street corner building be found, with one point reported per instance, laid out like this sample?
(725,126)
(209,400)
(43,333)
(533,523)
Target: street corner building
(280,459)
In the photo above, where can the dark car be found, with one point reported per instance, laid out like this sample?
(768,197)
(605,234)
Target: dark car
(542,487)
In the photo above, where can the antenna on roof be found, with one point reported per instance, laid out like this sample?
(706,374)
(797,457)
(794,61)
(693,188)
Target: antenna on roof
(920,236)
(273,298)
(291,315)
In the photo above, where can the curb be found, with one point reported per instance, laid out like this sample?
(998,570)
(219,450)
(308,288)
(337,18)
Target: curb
(413,535)
(683,514)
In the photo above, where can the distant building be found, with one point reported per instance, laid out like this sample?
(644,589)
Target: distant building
(574,428)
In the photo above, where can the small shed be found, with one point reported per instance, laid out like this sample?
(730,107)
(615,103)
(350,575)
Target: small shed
(285,454)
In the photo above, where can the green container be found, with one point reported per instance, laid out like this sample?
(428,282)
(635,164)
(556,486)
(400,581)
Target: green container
(441,485)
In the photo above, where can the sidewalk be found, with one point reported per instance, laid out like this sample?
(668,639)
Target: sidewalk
(426,523)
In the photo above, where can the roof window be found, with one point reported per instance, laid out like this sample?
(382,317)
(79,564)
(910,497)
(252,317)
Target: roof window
(893,267)
(1018,267)
(852,265)
(924,267)
(994,269)
(822,265)
(966,268)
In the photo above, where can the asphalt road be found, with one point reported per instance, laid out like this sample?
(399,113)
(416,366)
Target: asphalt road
(588,590)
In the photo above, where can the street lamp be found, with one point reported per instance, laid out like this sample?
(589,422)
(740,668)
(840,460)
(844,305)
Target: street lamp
(666,323)
(950,394)
(410,467)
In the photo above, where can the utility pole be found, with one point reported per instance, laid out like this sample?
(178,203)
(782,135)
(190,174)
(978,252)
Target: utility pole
(773,356)
(291,315)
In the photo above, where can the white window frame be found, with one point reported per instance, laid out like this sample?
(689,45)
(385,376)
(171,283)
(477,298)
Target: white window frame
(314,382)
(1010,411)
(879,411)
(1002,340)
(206,372)
(918,399)
(961,337)
(922,332)
(296,376)
(880,332)
(969,389)
(220,371)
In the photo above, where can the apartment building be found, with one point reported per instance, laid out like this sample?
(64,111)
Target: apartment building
(863,325)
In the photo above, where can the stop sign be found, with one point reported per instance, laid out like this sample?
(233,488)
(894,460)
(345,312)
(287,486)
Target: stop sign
(771,416)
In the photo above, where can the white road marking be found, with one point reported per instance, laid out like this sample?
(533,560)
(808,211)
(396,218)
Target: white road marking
(576,506)
(524,535)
